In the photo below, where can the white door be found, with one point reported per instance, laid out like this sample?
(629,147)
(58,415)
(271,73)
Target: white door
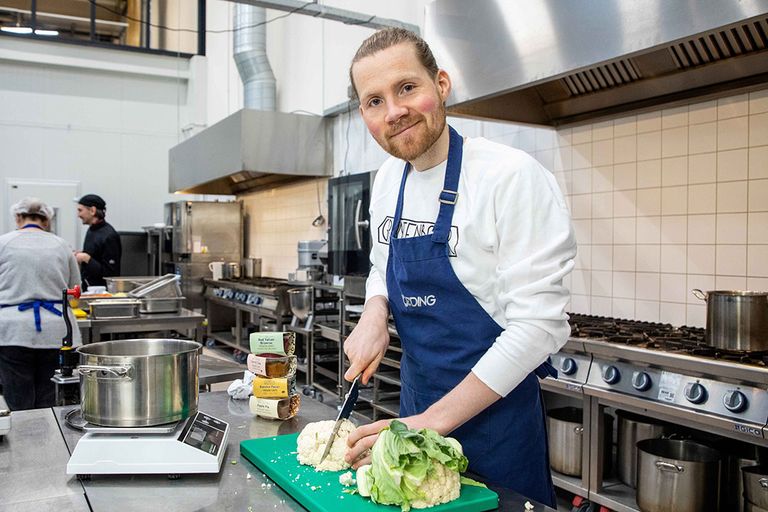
(59,195)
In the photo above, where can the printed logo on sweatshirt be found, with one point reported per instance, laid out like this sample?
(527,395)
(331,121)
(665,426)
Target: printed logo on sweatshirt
(413,228)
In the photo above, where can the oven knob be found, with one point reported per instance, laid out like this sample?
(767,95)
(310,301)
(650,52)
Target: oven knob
(695,393)
(569,366)
(611,375)
(641,381)
(735,401)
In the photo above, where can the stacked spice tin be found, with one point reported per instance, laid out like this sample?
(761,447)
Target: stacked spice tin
(273,362)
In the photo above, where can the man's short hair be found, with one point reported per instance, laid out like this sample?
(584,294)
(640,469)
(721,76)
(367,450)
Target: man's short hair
(389,37)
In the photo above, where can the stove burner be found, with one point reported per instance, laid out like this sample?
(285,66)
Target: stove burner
(658,336)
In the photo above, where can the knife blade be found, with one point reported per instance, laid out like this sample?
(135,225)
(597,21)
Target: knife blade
(344,413)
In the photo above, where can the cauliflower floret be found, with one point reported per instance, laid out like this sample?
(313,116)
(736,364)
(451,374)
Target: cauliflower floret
(312,440)
(346,479)
(442,486)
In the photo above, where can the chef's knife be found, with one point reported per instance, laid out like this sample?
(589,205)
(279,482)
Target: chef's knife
(344,412)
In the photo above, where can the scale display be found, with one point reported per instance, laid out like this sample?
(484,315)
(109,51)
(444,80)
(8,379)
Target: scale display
(205,433)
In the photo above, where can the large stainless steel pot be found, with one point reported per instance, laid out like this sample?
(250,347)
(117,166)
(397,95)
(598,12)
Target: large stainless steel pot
(634,428)
(565,434)
(756,485)
(676,475)
(136,383)
(736,320)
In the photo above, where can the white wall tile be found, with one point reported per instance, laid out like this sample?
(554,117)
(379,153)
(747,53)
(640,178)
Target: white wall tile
(701,259)
(732,197)
(674,142)
(673,259)
(758,129)
(732,228)
(649,174)
(702,198)
(583,230)
(674,229)
(696,315)
(757,228)
(624,229)
(701,229)
(648,230)
(757,284)
(624,258)
(732,165)
(758,159)
(628,125)
(602,205)
(625,149)
(581,282)
(703,112)
(758,101)
(648,202)
(581,206)
(673,287)
(758,195)
(602,178)
(674,200)
(582,134)
(563,158)
(624,285)
(648,122)
(601,306)
(648,258)
(625,176)
(583,257)
(674,171)
(757,258)
(623,308)
(731,260)
(647,311)
(581,304)
(602,283)
(602,258)
(648,146)
(582,181)
(671,313)
(730,283)
(702,138)
(702,168)
(733,133)
(733,106)
(674,117)
(602,152)
(624,203)
(701,282)
(647,286)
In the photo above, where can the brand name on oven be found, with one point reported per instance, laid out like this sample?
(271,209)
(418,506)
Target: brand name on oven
(419,301)
(746,429)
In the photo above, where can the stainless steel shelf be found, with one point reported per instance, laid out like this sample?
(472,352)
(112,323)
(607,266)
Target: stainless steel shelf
(326,373)
(569,483)
(329,331)
(391,362)
(227,339)
(390,407)
(390,377)
(616,496)
(366,395)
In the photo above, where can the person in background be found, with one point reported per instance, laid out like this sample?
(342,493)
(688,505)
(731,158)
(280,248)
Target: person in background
(101,252)
(472,240)
(35,267)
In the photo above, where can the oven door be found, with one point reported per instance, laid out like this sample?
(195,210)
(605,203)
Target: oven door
(349,234)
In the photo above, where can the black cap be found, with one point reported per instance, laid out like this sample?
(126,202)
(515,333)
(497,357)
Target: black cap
(93,200)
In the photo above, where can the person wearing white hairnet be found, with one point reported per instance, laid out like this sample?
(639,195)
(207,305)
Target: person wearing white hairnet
(35,266)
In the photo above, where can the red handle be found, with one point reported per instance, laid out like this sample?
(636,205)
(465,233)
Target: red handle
(74,292)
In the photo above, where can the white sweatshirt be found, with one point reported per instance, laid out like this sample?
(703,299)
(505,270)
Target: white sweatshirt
(511,243)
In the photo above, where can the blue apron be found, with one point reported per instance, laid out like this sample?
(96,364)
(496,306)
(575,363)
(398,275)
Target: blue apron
(444,332)
(35,305)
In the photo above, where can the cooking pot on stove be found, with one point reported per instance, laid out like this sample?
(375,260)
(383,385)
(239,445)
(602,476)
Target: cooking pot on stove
(675,475)
(736,320)
(138,383)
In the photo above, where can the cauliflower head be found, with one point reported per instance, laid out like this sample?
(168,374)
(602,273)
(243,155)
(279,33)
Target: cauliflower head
(312,440)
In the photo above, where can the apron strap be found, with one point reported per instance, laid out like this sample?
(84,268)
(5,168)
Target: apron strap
(545,370)
(35,306)
(448,196)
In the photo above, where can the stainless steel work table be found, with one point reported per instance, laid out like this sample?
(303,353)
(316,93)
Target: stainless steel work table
(213,369)
(39,460)
(186,321)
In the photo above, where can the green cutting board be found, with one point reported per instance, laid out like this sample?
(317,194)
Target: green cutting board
(276,457)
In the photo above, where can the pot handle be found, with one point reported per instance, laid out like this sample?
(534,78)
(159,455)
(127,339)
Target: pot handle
(92,369)
(763,483)
(668,466)
(699,294)
(578,430)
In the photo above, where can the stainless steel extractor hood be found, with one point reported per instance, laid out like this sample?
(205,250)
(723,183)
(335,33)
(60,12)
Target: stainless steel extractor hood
(250,149)
(553,62)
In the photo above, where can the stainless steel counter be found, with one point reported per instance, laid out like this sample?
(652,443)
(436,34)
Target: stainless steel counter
(33,468)
(213,369)
(186,321)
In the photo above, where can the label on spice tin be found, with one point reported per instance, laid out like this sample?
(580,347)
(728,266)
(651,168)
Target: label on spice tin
(278,343)
(270,388)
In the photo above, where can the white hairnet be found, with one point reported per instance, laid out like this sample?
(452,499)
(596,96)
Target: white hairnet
(32,206)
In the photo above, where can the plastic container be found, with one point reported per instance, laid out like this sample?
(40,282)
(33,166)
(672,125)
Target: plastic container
(265,366)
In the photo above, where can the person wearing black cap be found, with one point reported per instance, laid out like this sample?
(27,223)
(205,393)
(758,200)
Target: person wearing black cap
(101,252)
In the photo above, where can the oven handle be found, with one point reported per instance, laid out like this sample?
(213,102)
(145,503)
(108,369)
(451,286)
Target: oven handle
(359,223)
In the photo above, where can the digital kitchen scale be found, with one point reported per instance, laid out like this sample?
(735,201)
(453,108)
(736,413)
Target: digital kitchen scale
(195,445)
(5,417)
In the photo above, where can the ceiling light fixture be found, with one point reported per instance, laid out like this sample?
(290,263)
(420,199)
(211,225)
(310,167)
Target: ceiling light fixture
(17,30)
(41,32)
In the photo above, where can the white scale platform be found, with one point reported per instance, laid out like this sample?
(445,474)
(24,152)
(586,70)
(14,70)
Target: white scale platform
(196,445)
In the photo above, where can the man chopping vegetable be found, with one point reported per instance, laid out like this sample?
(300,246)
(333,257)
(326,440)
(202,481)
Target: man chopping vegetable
(472,240)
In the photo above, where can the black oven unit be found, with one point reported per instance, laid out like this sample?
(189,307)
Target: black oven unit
(349,229)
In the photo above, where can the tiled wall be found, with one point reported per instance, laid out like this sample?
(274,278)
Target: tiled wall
(662,203)
(277,218)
